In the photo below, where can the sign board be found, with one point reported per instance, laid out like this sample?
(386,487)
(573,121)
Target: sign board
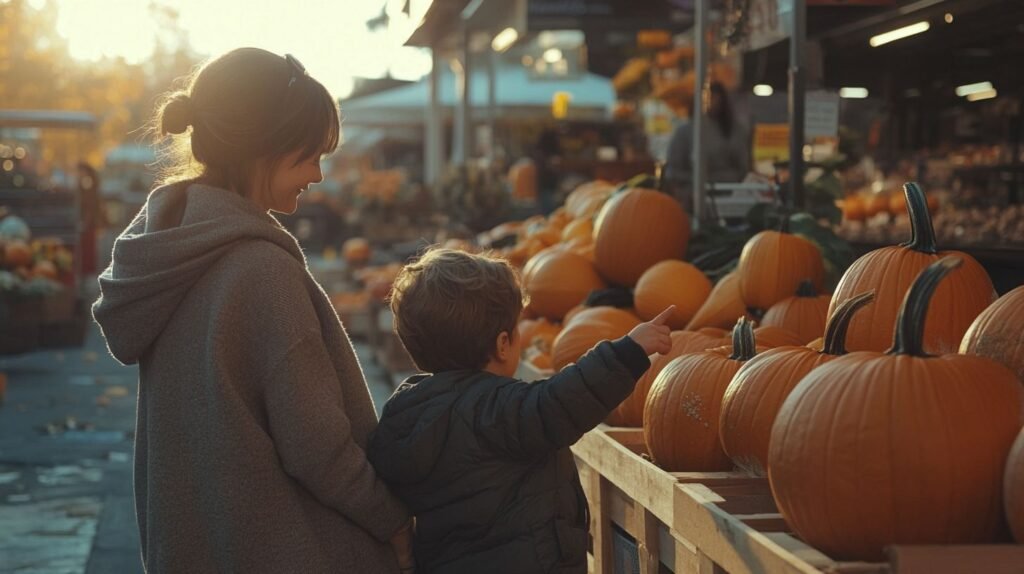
(771,142)
(821,115)
(608,14)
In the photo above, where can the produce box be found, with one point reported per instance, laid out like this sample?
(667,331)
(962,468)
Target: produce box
(725,522)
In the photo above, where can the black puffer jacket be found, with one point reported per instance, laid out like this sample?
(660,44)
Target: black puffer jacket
(482,461)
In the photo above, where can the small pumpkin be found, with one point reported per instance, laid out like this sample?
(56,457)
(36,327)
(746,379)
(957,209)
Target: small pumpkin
(683,407)
(579,228)
(803,314)
(890,271)
(587,199)
(875,449)
(17,253)
(774,263)
(756,393)
(630,413)
(1013,486)
(539,333)
(998,332)
(559,281)
(668,283)
(356,250)
(877,203)
(722,307)
(854,208)
(635,229)
(587,329)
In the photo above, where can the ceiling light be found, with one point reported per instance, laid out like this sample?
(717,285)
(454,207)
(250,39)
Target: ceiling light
(504,40)
(986,95)
(977,88)
(552,55)
(855,93)
(763,90)
(898,34)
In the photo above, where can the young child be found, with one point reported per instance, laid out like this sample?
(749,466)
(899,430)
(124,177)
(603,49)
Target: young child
(481,458)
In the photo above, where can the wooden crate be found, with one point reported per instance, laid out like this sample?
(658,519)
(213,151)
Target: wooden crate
(727,522)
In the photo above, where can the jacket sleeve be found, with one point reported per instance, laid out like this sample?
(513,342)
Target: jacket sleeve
(313,438)
(527,420)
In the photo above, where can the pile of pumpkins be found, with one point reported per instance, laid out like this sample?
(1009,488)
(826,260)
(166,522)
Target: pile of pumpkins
(26,259)
(889,412)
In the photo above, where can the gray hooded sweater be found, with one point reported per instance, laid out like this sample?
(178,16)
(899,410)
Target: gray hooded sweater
(253,413)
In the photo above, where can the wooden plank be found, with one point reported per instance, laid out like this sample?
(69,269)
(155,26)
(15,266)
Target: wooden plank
(736,547)
(600,525)
(987,558)
(647,536)
(764,522)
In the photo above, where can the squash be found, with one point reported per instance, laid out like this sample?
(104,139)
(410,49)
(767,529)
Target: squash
(774,263)
(671,283)
(539,333)
(998,332)
(578,228)
(874,449)
(770,336)
(683,407)
(635,229)
(559,281)
(722,307)
(630,413)
(756,393)
(1013,487)
(588,328)
(803,314)
(890,271)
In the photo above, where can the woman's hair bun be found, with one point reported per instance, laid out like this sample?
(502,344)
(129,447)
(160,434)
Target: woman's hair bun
(177,114)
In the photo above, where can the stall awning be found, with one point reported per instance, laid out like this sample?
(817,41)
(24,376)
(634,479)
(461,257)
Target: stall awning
(47,119)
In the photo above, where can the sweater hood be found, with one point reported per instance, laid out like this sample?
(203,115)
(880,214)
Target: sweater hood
(413,428)
(181,231)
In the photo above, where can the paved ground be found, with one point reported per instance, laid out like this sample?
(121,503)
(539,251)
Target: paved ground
(66,457)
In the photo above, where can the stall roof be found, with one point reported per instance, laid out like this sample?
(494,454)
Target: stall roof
(517,94)
(47,119)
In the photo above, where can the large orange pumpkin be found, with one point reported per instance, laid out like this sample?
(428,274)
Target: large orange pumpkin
(756,393)
(539,333)
(874,449)
(587,199)
(772,266)
(636,229)
(803,314)
(998,332)
(668,283)
(630,413)
(1013,486)
(587,329)
(684,406)
(578,228)
(889,271)
(560,281)
(770,336)
(722,307)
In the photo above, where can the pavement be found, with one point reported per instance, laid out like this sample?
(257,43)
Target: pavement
(66,432)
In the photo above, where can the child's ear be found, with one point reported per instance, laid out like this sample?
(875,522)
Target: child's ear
(503,346)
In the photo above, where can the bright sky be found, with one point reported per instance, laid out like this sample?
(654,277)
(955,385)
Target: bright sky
(328,36)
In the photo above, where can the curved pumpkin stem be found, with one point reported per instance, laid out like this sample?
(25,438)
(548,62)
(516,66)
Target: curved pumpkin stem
(922,235)
(909,337)
(806,289)
(835,331)
(743,345)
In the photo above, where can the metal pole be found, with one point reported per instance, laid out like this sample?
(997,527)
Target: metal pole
(697,115)
(464,122)
(797,96)
(433,123)
(492,100)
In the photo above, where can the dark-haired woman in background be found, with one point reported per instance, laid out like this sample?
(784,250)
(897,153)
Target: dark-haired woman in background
(253,412)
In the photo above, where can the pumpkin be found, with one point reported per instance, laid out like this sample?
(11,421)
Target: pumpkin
(889,271)
(587,329)
(1013,487)
(998,332)
(671,283)
(854,208)
(559,281)
(683,406)
(722,307)
(539,333)
(569,315)
(45,269)
(877,203)
(523,179)
(630,413)
(714,332)
(770,336)
(17,253)
(874,449)
(587,199)
(579,228)
(636,229)
(774,263)
(804,314)
(756,393)
(547,234)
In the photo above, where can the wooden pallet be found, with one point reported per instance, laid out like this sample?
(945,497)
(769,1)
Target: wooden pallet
(727,522)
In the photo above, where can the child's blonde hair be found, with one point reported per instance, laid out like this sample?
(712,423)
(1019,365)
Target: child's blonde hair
(245,108)
(450,307)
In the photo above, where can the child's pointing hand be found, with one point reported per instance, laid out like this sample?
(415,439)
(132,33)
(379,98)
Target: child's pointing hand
(654,335)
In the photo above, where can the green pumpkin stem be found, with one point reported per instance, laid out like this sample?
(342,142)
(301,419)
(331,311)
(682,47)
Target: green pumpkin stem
(909,337)
(922,235)
(806,289)
(835,331)
(743,345)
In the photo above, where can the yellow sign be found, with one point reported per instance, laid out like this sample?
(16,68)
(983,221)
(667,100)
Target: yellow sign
(560,104)
(771,142)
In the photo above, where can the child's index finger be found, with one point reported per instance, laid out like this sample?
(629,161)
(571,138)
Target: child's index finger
(664,315)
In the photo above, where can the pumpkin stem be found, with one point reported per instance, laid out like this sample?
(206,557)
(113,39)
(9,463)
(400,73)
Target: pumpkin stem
(743,345)
(909,337)
(835,331)
(922,235)
(806,289)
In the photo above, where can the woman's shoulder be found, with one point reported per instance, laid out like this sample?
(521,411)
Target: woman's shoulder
(260,269)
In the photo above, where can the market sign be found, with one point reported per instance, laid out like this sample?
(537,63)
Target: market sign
(821,115)
(771,142)
(607,14)
(771,21)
